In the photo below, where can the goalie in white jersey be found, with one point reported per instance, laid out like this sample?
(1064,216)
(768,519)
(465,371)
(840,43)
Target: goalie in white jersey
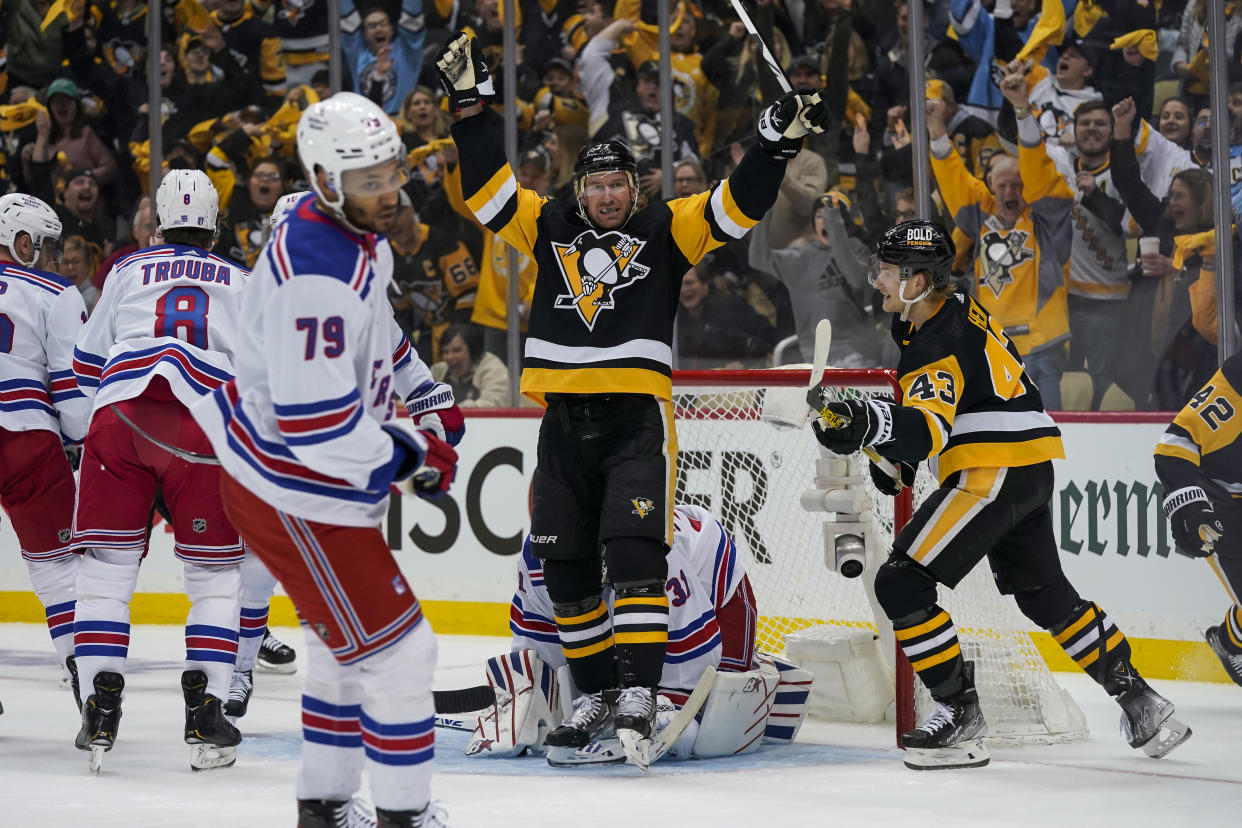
(163,334)
(712,621)
(306,435)
(40,406)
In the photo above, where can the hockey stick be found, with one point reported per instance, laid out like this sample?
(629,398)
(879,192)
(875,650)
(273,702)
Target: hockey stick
(642,752)
(184,454)
(762,47)
(823,343)
(465,700)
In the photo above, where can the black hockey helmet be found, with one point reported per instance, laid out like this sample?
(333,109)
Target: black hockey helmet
(919,245)
(597,159)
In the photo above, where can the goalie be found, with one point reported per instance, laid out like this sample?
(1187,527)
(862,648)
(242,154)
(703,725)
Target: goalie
(1197,463)
(712,619)
(969,407)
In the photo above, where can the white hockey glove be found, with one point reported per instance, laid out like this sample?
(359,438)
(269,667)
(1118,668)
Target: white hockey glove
(463,72)
(1196,527)
(784,124)
(432,408)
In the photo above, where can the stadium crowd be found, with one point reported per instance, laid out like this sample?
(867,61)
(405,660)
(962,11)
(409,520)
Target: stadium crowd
(1082,209)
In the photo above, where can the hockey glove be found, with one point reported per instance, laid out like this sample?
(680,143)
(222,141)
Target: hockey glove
(463,73)
(889,485)
(427,472)
(784,124)
(432,408)
(845,426)
(1196,527)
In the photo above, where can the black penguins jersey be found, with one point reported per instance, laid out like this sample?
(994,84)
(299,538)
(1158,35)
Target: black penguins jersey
(601,318)
(1200,447)
(967,401)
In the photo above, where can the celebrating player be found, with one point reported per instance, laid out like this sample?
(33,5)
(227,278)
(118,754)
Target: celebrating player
(1198,467)
(41,409)
(968,404)
(163,335)
(599,355)
(307,441)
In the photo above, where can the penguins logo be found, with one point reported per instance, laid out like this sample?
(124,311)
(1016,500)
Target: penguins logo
(594,268)
(1000,255)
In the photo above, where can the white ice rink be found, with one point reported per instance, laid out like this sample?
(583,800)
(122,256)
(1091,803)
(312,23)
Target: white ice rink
(837,775)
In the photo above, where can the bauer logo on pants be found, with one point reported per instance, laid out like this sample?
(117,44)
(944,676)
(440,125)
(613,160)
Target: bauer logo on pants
(594,268)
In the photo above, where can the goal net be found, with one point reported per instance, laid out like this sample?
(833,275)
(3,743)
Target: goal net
(752,474)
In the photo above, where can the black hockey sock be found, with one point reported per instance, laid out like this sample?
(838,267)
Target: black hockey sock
(640,614)
(586,639)
(929,640)
(1091,638)
(1232,639)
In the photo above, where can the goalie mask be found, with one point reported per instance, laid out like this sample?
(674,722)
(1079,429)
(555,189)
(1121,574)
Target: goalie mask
(917,246)
(602,159)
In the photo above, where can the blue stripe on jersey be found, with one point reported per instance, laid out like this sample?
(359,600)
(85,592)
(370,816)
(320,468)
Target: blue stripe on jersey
(43,280)
(134,364)
(302,409)
(703,649)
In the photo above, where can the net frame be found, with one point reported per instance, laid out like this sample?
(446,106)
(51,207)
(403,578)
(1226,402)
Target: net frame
(1037,711)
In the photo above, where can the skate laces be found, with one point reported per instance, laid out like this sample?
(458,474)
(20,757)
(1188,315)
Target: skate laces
(241,685)
(588,709)
(942,717)
(636,701)
(271,643)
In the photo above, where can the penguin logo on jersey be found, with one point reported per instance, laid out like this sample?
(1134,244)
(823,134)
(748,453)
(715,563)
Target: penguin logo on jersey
(1001,254)
(594,268)
(642,506)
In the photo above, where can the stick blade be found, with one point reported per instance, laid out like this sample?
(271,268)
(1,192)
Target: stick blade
(823,342)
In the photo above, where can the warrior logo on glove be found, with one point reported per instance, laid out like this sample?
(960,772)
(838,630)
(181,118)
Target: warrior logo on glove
(595,266)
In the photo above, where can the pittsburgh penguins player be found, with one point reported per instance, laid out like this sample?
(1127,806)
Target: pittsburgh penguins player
(599,357)
(972,411)
(1198,461)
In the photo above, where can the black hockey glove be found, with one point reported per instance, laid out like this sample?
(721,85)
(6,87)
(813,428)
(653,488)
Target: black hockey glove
(463,72)
(1196,527)
(845,426)
(886,483)
(784,124)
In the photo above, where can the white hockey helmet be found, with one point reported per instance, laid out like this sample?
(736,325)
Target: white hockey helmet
(342,133)
(284,206)
(187,198)
(21,213)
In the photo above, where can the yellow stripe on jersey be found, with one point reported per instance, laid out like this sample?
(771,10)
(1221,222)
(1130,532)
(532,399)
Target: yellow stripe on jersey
(1211,417)
(493,195)
(690,229)
(977,489)
(935,387)
(537,382)
(670,459)
(1018,453)
(1171,449)
(907,633)
(938,658)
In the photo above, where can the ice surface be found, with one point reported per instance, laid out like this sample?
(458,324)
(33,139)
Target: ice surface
(837,774)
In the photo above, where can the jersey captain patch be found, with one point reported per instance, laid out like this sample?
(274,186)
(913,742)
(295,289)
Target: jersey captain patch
(594,268)
(1000,255)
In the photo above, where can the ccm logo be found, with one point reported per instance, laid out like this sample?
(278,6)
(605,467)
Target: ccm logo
(543,539)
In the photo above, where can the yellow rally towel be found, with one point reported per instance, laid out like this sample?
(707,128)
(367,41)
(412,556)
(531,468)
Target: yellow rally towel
(71,10)
(1086,15)
(191,15)
(1188,245)
(16,116)
(1142,39)
(1050,30)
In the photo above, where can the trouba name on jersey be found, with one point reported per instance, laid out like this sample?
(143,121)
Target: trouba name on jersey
(203,271)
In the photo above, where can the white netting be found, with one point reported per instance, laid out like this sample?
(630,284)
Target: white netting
(751,474)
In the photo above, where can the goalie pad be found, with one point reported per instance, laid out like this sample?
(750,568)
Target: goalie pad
(736,714)
(523,714)
(789,707)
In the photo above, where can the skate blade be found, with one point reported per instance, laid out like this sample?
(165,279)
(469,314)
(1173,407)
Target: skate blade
(210,757)
(638,749)
(262,666)
(602,752)
(1171,734)
(970,754)
(95,761)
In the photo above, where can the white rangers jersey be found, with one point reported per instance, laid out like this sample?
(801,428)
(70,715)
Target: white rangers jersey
(1098,266)
(40,317)
(704,571)
(319,358)
(168,311)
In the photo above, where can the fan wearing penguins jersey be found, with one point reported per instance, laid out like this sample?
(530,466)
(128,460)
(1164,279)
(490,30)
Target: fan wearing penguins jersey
(970,409)
(599,356)
(1199,463)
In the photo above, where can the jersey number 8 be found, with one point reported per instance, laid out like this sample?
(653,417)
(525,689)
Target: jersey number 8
(181,313)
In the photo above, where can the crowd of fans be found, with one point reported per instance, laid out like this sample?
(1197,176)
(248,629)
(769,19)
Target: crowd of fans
(1081,199)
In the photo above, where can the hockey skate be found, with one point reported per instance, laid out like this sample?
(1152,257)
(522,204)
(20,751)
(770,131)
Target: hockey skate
(590,719)
(328,813)
(433,816)
(240,688)
(1232,662)
(1147,719)
(101,715)
(213,738)
(275,656)
(952,736)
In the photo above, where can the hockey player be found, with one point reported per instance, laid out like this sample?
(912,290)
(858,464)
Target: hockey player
(163,335)
(970,408)
(306,438)
(41,409)
(712,618)
(1197,463)
(599,356)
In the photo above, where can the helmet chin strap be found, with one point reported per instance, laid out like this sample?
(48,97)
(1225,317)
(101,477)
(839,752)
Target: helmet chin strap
(909,303)
(335,206)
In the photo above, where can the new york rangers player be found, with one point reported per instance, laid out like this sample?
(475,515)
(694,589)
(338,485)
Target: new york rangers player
(163,334)
(309,446)
(40,406)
